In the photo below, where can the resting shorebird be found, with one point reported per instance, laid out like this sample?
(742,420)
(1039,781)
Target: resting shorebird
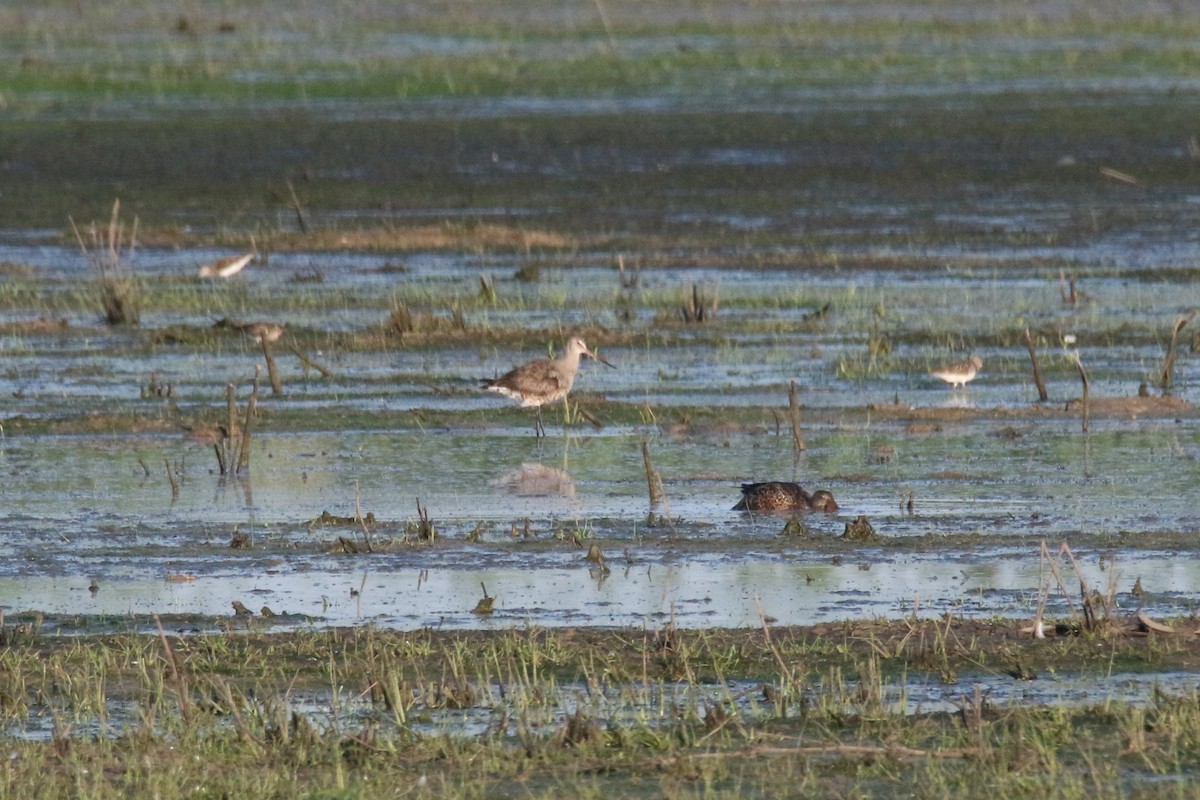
(958,373)
(261,331)
(542,381)
(226,267)
(783,496)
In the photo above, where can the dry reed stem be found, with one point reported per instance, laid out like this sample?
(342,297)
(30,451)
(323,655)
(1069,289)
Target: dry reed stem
(226,462)
(243,462)
(171,479)
(1066,288)
(1083,378)
(308,362)
(1043,396)
(272,372)
(300,221)
(653,479)
(794,418)
(185,703)
(358,515)
(784,670)
(1168,370)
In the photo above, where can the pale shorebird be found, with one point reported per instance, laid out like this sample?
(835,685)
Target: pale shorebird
(542,381)
(783,496)
(226,267)
(261,331)
(958,373)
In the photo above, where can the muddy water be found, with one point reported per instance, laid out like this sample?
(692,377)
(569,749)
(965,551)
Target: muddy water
(909,285)
(82,508)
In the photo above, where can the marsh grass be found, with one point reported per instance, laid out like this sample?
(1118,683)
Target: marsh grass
(350,712)
(108,253)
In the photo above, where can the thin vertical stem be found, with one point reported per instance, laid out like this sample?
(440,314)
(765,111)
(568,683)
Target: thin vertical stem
(794,418)
(1037,373)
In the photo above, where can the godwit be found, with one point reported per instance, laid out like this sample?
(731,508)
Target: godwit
(958,373)
(783,496)
(542,381)
(226,267)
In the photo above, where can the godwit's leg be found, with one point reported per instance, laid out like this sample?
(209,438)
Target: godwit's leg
(539,430)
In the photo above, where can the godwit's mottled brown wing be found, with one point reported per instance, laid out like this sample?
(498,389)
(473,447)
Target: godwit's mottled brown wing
(534,384)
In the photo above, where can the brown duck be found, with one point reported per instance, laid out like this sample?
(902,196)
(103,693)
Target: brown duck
(783,496)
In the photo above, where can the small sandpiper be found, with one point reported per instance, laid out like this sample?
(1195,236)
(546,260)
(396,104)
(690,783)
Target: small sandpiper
(960,372)
(260,332)
(226,267)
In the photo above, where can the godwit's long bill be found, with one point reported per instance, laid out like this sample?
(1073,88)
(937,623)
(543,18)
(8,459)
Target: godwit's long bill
(543,381)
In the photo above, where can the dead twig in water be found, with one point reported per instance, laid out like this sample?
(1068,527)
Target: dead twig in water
(1168,370)
(225,458)
(1083,378)
(308,362)
(359,516)
(299,211)
(1037,373)
(1117,175)
(794,418)
(1066,288)
(653,480)
(171,478)
(272,372)
(426,532)
(1090,621)
(243,462)
(697,309)
(630,281)
(1044,561)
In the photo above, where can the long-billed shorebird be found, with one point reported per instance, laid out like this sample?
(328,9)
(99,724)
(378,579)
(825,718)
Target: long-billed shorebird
(783,496)
(542,381)
(226,267)
(960,372)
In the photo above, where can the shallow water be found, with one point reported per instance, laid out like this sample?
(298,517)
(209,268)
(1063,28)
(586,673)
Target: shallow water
(85,507)
(99,516)
(933,205)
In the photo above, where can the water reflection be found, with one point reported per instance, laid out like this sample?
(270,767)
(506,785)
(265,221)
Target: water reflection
(699,592)
(536,480)
(957,398)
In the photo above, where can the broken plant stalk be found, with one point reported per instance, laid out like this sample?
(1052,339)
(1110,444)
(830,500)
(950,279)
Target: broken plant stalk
(794,418)
(243,462)
(1037,373)
(1083,378)
(1168,370)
